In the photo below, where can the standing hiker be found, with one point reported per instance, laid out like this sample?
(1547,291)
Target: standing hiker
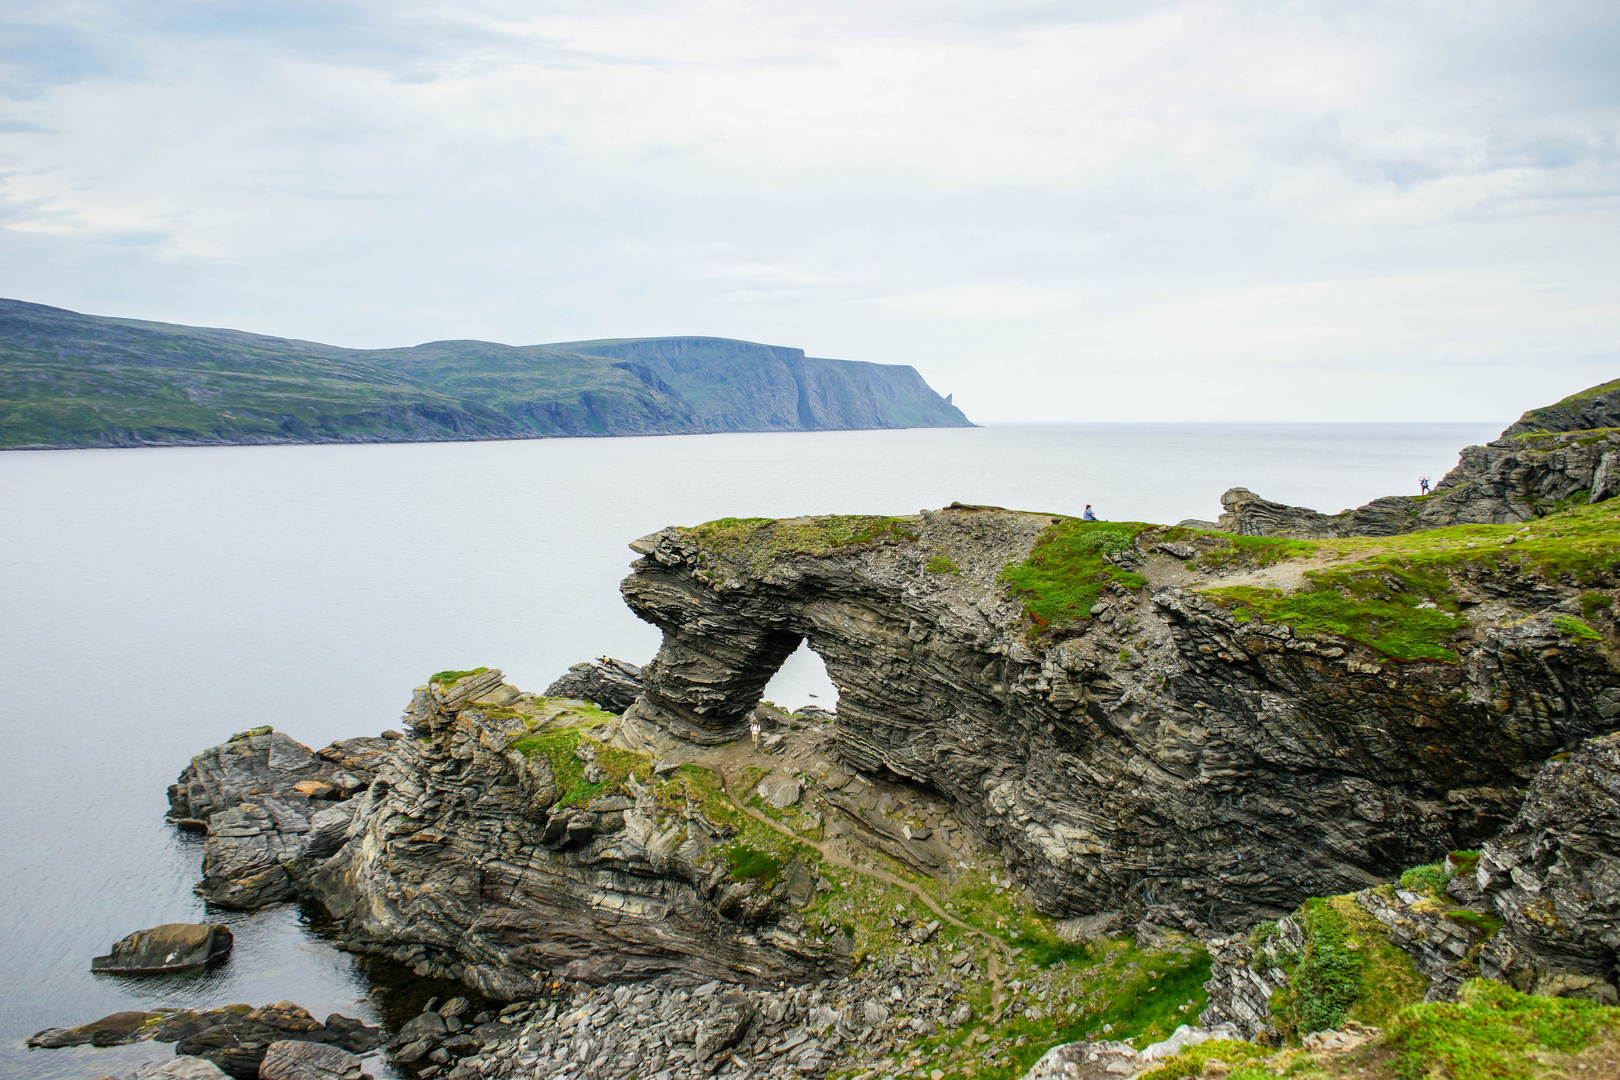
(753,729)
(1423,482)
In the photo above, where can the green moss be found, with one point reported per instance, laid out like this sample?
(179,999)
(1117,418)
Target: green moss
(942,564)
(754,539)
(1570,626)
(448,679)
(1594,602)
(1431,879)
(1487,925)
(748,862)
(1493,1032)
(1065,572)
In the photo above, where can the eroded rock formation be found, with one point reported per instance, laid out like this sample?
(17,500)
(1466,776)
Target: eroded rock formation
(1554,877)
(234,1038)
(612,685)
(1552,458)
(1161,757)
(465,861)
(272,808)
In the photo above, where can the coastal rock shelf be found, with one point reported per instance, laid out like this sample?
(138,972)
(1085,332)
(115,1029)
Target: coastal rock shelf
(1164,755)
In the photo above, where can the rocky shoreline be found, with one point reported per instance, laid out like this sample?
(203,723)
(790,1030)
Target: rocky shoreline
(1297,776)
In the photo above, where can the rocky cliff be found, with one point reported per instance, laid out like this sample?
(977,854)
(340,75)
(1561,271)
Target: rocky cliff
(1551,459)
(1133,728)
(495,847)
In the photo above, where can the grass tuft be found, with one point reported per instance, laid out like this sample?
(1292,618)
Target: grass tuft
(1570,626)
(448,679)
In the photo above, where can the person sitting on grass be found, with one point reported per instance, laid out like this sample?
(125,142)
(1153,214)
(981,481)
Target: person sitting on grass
(1088,515)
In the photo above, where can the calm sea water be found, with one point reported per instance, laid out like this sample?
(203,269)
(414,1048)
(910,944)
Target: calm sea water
(156,601)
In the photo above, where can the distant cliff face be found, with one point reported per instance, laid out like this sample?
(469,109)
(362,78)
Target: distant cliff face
(68,379)
(1132,733)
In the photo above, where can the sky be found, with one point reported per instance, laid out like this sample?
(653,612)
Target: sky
(1180,211)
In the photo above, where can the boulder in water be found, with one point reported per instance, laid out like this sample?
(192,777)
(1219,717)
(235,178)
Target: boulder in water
(170,947)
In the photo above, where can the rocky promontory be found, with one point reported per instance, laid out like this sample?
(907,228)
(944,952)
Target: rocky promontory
(1299,778)
(1550,459)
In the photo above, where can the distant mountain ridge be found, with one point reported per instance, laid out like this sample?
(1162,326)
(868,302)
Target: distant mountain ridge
(73,380)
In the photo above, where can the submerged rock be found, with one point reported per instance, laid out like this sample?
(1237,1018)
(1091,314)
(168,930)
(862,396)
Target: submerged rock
(235,1038)
(170,947)
(178,1068)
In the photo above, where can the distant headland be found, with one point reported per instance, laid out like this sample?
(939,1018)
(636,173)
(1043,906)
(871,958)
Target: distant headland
(73,380)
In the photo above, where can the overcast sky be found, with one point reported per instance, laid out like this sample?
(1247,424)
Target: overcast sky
(1056,211)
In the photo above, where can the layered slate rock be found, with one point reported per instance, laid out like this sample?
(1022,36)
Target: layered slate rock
(234,1038)
(611,685)
(271,807)
(170,947)
(464,863)
(1552,458)
(1161,757)
(1554,878)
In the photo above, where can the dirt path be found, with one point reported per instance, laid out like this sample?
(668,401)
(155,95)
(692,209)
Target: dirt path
(832,856)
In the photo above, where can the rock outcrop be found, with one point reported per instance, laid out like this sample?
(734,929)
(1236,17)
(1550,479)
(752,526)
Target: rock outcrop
(170,947)
(610,685)
(469,859)
(1552,458)
(1163,756)
(235,1038)
(1554,878)
(271,808)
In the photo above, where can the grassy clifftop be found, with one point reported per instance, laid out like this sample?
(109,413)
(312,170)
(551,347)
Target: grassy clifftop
(81,380)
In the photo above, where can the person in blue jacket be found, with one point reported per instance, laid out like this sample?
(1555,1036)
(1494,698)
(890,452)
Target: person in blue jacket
(1088,515)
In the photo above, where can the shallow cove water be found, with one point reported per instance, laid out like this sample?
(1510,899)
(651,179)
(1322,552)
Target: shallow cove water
(156,601)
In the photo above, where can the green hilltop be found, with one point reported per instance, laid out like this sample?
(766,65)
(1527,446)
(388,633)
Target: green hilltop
(72,380)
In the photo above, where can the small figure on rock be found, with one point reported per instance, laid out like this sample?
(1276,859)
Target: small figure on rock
(1423,482)
(753,729)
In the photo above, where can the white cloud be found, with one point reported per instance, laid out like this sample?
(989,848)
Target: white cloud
(1171,210)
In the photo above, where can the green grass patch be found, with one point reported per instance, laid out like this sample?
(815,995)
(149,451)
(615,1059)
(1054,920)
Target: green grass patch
(1191,1061)
(1430,878)
(763,539)
(750,863)
(1065,571)
(1594,602)
(1493,1032)
(1570,626)
(1398,596)
(1252,553)
(448,679)
(568,771)
(1327,980)
(943,564)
